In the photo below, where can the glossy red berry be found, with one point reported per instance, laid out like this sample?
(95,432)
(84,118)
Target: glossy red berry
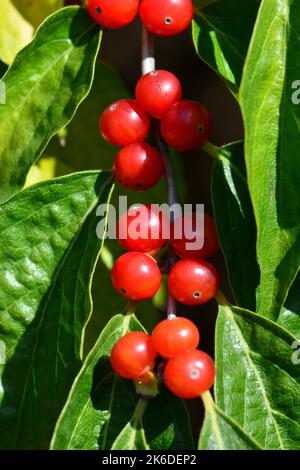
(186,126)
(133,356)
(190,374)
(141,229)
(157,91)
(136,276)
(113,13)
(124,122)
(193,282)
(175,336)
(167,17)
(188,227)
(138,166)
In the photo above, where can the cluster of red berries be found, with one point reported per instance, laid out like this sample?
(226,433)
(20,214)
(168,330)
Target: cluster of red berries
(188,372)
(184,125)
(164,18)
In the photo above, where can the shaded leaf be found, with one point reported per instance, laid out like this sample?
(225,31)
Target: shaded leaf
(132,437)
(83,147)
(48,249)
(56,71)
(93,415)
(271,148)
(257,383)
(235,223)
(221,34)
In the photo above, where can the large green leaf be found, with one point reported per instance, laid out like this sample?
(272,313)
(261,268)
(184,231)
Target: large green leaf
(44,85)
(257,383)
(221,34)
(35,11)
(272,125)
(83,147)
(100,409)
(15,31)
(235,223)
(219,432)
(48,249)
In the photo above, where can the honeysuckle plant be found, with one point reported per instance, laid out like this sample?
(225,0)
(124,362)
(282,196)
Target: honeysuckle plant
(59,314)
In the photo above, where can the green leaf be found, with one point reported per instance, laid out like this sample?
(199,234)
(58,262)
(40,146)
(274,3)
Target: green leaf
(219,432)
(100,404)
(221,34)
(56,71)
(235,223)
(100,409)
(271,148)
(83,147)
(289,317)
(132,437)
(48,249)
(166,423)
(15,32)
(35,11)
(257,383)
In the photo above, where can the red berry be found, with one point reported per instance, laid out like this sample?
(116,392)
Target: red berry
(189,374)
(186,125)
(138,166)
(157,91)
(141,229)
(136,276)
(167,17)
(124,122)
(133,356)
(187,226)
(193,282)
(174,336)
(113,13)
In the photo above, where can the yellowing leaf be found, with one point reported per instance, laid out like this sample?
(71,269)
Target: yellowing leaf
(15,32)
(35,11)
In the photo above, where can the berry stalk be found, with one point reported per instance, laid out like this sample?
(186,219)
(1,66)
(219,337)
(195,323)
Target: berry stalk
(148,65)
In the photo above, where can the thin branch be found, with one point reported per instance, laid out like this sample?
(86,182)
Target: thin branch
(148,65)
(148,59)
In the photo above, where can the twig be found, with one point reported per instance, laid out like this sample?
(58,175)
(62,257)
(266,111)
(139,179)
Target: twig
(148,65)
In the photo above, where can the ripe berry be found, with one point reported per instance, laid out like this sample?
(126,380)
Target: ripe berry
(193,282)
(190,374)
(174,336)
(186,125)
(124,122)
(187,226)
(113,13)
(167,17)
(136,276)
(141,229)
(133,356)
(138,166)
(157,91)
